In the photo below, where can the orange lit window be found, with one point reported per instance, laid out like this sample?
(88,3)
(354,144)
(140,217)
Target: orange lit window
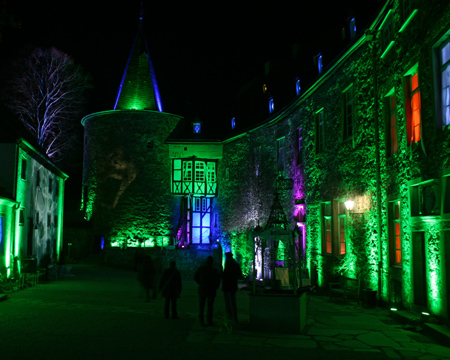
(412,107)
(327,236)
(341,236)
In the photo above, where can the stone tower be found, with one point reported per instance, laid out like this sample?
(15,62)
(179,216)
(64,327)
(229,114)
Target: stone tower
(126,167)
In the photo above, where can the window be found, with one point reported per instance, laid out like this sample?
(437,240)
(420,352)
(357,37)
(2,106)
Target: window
(395,239)
(196,127)
(211,172)
(443,79)
(280,156)
(319,63)
(391,125)
(197,204)
(23,172)
(334,222)
(412,108)
(187,171)
(425,198)
(271,105)
(352,28)
(341,222)
(407,12)
(299,146)
(199,171)
(298,88)
(327,235)
(348,104)
(320,131)
(387,34)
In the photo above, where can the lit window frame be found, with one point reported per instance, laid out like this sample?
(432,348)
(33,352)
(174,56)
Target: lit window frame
(320,130)
(443,81)
(281,156)
(197,128)
(271,105)
(327,228)
(348,103)
(413,106)
(298,87)
(386,30)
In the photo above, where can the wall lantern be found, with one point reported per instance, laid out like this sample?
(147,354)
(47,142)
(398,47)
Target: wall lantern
(349,204)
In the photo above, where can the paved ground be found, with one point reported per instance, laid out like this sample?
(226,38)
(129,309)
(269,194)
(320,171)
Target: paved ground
(98,314)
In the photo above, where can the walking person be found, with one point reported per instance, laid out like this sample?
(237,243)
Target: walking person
(170,287)
(230,276)
(208,279)
(146,276)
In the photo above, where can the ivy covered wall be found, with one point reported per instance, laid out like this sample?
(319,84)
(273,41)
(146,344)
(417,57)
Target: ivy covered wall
(126,180)
(358,166)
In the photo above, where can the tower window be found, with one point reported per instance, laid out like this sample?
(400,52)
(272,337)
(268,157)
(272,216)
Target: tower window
(319,63)
(352,29)
(298,88)
(197,127)
(271,105)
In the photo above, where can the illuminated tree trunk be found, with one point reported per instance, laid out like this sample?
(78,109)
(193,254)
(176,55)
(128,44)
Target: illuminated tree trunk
(46,92)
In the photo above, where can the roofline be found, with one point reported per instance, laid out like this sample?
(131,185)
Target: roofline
(24,144)
(288,109)
(87,117)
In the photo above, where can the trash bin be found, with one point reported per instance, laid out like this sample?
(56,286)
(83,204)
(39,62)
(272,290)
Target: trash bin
(369,298)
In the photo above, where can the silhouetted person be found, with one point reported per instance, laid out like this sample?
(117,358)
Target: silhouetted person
(230,276)
(146,276)
(208,279)
(170,287)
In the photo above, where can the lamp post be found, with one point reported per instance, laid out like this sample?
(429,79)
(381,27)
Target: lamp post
(349,204)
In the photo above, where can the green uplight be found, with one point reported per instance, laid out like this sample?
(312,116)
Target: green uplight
(391,44)
(405,24)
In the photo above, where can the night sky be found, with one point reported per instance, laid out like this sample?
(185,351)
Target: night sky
(202,54)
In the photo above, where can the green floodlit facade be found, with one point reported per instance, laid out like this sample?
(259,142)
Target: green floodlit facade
(32,218)
(372,128)
(386,148)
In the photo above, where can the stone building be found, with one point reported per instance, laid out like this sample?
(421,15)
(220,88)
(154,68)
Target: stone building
(357,156)
(31,201)
(372,128)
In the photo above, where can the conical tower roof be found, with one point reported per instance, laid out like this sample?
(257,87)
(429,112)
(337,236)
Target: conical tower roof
(138,89)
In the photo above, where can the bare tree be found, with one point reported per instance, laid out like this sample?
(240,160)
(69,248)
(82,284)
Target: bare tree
(46,91)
